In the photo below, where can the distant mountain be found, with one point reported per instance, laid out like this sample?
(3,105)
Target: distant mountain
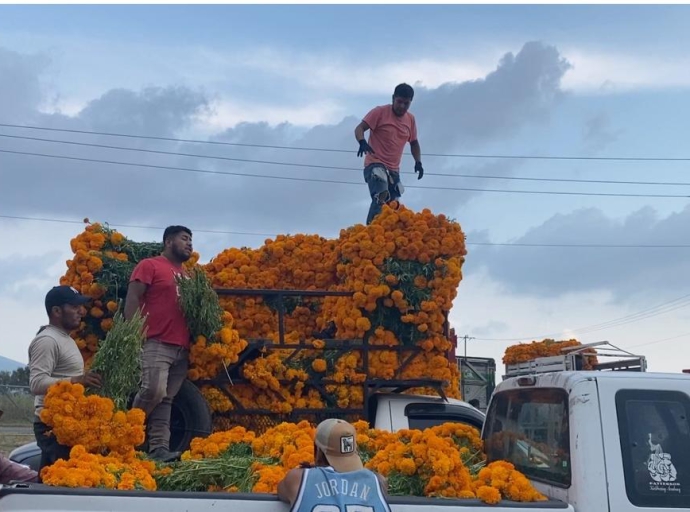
(9,365)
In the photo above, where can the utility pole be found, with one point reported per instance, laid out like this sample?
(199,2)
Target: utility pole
(465,338)
(464,363)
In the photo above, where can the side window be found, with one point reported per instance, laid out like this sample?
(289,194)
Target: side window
(421,416)
(655,443)
(529,427)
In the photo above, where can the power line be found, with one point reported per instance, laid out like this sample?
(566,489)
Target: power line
(635,319)
(222,232)
(359,184)
(133,226)
(664,307)
(332,150)
(659,341)
(341,168)
(586,245)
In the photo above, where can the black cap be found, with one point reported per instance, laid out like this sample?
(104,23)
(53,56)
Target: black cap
(61,295)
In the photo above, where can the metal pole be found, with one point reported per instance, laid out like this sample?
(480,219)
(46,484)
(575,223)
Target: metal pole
(463,365)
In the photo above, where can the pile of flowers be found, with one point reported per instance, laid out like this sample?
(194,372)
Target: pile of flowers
(403,270)
(102,438)
(83,469)
(402,274)
(426,463)
(523,352)
(443,461)
(500,480)
(90,420)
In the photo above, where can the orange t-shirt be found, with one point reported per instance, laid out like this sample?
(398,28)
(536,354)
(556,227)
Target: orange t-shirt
(389,133)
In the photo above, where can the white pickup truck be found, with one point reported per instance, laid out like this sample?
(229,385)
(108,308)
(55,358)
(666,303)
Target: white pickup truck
(591,441)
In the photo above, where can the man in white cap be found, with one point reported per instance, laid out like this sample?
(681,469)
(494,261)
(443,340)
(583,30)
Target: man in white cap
(338,479)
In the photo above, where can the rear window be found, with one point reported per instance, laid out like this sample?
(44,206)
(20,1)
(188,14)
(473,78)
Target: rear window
(655,445)
(530,429)
(421,416)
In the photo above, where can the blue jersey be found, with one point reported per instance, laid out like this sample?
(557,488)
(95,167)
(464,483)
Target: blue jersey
(326,490)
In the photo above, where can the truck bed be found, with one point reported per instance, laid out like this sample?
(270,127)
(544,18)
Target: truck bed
(39,498)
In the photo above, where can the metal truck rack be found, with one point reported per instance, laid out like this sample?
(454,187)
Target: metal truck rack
(574,359)
(258,347)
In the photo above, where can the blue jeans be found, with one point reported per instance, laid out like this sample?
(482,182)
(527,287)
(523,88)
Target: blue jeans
(381,192)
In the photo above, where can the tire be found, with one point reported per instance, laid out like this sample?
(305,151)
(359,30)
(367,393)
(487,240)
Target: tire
(190,417)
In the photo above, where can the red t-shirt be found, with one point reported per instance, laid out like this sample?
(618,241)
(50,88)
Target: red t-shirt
(164,318)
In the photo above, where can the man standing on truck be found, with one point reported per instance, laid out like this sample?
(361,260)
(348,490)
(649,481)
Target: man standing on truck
(391,127)
(53,357)
(338,477)
(165,357)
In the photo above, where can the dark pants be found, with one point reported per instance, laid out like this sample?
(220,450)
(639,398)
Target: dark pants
(51,450)
(381,191)
(163,370)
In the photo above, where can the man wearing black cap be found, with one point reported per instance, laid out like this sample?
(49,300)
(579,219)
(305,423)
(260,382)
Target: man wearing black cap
(53,357)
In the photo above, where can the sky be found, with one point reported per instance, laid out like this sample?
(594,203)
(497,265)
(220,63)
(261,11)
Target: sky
(607,84)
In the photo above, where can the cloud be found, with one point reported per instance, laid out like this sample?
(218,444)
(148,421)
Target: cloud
(522,90)
(598,133)
(19,271)
(551,272)
(157,111)
(490,328)
(21,90)
(602,71)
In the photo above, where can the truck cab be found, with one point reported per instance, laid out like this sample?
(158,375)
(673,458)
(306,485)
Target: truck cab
(601,441)
(395,412)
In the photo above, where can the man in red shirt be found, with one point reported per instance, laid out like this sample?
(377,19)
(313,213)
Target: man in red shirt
(165,357)
(391,127)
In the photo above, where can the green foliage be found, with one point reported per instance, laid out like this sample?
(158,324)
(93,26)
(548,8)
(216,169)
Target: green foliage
(221,472)
(117,359)
(200,304)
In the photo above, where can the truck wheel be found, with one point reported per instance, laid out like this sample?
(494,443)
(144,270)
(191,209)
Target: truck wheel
(190,417)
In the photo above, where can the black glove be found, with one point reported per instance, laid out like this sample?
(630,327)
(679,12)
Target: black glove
(364,148)
(419,169)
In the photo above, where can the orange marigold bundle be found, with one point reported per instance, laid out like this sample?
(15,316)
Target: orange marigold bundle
(523,352)
(404,269)
(83,469)
(237,460)
(423,463)
(217,443)
(443,461)
(91,421)
(502,477)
